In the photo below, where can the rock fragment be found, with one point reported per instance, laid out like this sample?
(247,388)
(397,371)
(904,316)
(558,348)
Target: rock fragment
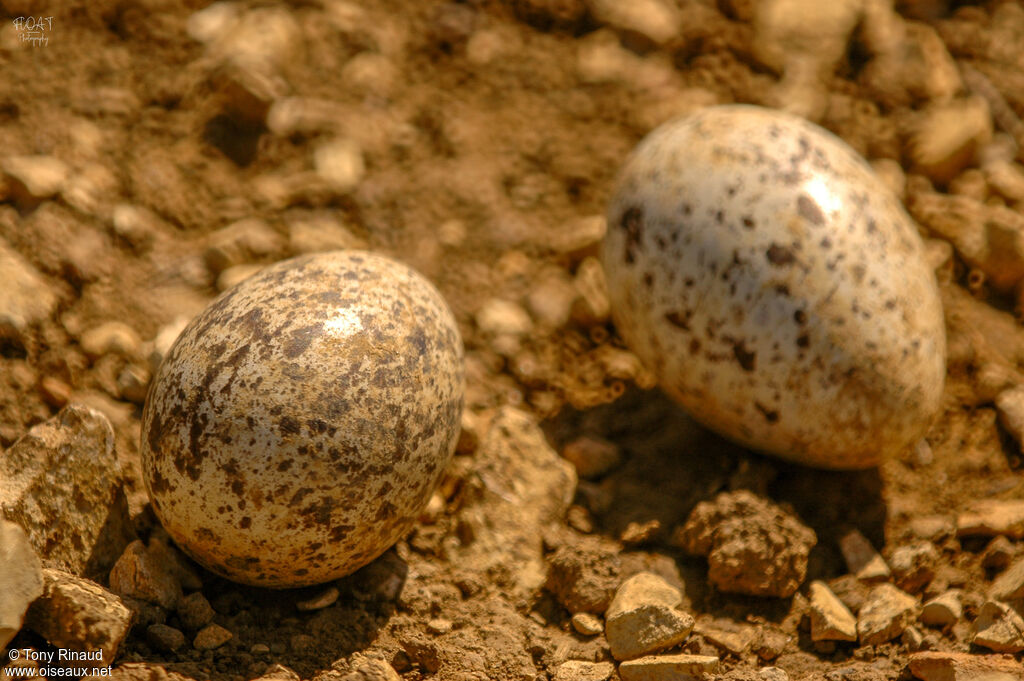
(990,517)
(340,163)
(195,612)
(137,575)
(242,242)
(110,337)
(320,601)
(831,620)
(79,614)
(643,618)
(1009,585)
(753,546)
(34,178)
(944,610)
(577,670)
(211,636)
(165,638)
(998,554)
(913,565)
(862,559)
(999,627)
(592,456)
(942,666)
(62,485)
(885,614)
(668,668)
(586,624)
(21,579)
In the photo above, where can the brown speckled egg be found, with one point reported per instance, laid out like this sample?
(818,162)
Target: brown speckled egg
(301,422)
(777,288)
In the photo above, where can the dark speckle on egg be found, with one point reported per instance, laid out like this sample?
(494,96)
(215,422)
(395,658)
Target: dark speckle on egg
(317,403)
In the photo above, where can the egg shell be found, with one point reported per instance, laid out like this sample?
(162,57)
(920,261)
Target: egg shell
(301,422)
(777,287)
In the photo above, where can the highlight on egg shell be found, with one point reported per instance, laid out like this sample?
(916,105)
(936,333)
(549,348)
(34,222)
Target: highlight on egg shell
(301,422)
(777,287)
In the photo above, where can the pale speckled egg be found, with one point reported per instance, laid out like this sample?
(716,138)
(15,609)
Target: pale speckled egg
(777,287)
(300,423)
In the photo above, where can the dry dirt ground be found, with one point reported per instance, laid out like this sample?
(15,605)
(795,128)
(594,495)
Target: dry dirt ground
(477,141)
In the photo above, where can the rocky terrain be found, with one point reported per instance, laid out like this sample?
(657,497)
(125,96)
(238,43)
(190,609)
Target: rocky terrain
(154,153)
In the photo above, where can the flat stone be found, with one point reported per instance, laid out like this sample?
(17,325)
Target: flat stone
(79,614)
(991,517)
(137,575)
(772,674)
(586,624)
(195,612)
(28,298)
(753,546)
(322,600)
(642,617)
(38,177)
(936,666)
(165,638)
(211,636)
(862,559)
(22,578)
(577,670)
(999,627)
(1009,585)
(885,614)
(726,636)
(668,668)
(944,610)
(62,485)
(831,620)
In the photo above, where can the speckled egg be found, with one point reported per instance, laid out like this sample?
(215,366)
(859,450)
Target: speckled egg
(300,423)
(777,287)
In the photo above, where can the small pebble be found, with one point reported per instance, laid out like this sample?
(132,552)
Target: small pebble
(439,626)
(991,517)
(944,610)
(998,554)
(35,177)
(592,456)
(340,163)
(913,565)
(320,601)
(643,618)
(999,628)
(133,382)
(195,611)
(108,338)
(885,614)
(260,649)
(54,391)
(211,636)
(587,624)
(165,638)
(831,620)
(862,559)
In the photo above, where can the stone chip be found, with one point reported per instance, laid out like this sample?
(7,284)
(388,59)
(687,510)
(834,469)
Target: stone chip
(642,618)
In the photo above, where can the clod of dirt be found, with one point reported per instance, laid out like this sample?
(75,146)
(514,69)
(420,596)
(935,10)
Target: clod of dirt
(299,425)
(584,574)
(753,546)
(741,266)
